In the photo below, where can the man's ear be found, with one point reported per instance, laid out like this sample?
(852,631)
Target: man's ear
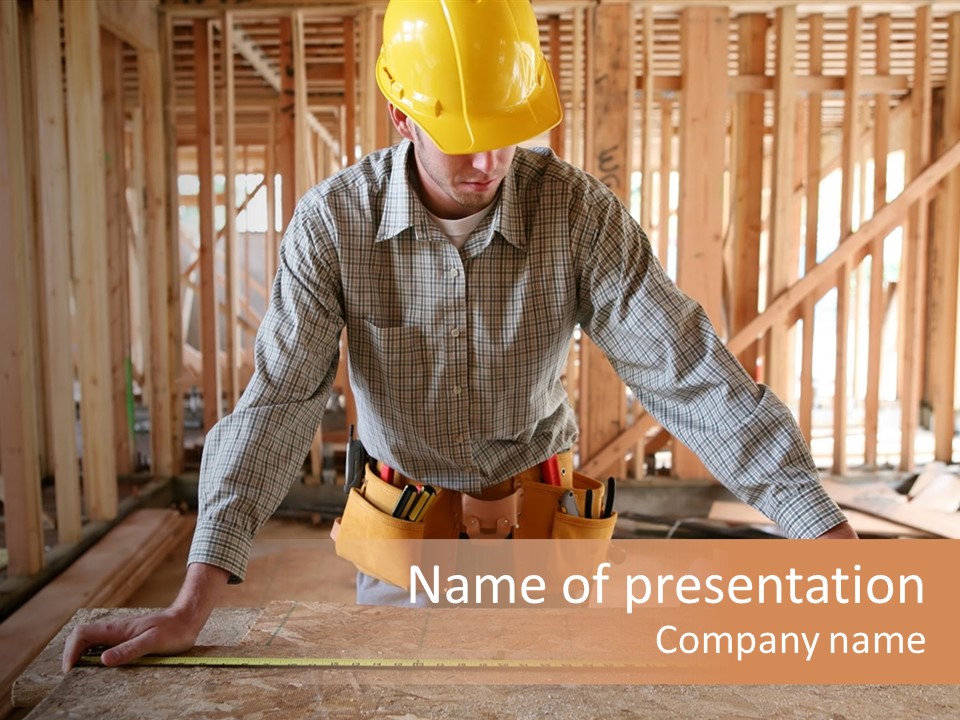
(401,122)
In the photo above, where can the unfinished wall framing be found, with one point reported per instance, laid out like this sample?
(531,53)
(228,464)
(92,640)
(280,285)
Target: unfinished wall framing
(795,166)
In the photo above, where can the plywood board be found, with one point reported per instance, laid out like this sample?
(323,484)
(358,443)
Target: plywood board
(879,500)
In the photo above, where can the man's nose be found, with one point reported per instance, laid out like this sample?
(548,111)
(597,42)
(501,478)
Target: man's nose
(484,162)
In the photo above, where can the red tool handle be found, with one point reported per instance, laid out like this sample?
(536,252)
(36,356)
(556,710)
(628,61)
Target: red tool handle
(550,471)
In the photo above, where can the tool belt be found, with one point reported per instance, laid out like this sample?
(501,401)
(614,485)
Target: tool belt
(525,506)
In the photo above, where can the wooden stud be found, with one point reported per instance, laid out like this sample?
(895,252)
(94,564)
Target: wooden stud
(53,232)
(913,266)
(944,268)
(159,366)
(646,139)
(209,311)
(578,100)
(703,106)
(747,210)
(118,264)
(135,22)
(88,210)
(780,259)
(18,443)
(285,126)
(610,86)
(270,175)
(848,168)
(384,127)
(302,129)
(230,245)
(369,93)
(881,140)
(666,167)
(349,143)
(556,133)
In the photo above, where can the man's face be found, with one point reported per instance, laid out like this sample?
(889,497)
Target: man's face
(454,186)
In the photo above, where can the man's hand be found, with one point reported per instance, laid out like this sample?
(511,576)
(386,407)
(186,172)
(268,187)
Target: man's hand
(843,531)
(167,632)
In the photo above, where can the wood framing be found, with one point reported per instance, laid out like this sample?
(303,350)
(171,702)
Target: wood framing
(603,400)
(88,210)
(703,125)
(209,310)
(53,198)
(232,334)
(18,441)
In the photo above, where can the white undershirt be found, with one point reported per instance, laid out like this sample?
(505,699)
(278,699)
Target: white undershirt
(459,229)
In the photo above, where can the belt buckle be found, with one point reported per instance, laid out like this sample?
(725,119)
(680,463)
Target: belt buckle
(491,519)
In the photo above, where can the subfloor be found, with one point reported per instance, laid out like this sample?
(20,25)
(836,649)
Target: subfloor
(294,560)
(291,560)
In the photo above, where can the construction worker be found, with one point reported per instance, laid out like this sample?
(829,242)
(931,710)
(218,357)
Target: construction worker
(460,264)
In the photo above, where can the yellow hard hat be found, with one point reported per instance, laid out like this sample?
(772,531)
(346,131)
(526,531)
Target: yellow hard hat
(469,72)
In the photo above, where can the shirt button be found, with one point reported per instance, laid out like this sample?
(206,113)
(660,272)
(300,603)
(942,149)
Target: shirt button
(455,332)
(457,390)
(453,272)
(458,439)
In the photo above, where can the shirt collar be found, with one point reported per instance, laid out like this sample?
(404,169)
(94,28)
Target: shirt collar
(405,209)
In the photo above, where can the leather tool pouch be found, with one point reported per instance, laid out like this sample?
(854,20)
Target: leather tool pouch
(365,533)
(541,517)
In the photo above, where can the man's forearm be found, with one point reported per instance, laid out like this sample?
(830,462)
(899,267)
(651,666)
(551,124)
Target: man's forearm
(199,593)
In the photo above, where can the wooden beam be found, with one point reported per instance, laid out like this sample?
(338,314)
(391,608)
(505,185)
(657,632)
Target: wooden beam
(703,105)
(286,127)
(118,262)
(945,266)
(349,140)
(53,198)
(302,154)
(603,400)
(134,22)
(666,167)
(881,148)
(748,186)
(646,114)
(776,358)
(232,335)
(88,211)
(557,132)
(164,295)
(18,415)
(209,314)
(913,266)
(814,177)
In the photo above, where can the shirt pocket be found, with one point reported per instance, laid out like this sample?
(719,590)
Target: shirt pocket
(392,364)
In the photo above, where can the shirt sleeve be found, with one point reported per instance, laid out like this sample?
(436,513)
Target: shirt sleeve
(664,347)
(252,455)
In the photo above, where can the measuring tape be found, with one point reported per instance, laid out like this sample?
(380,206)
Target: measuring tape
(322,662)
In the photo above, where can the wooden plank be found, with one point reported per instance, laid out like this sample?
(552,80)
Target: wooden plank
(814,177)
(776,361)
(158,365)
(577,139)
(285,126)
(666,167)
(741,513)
(209,313)
(941,493)
(25,633)
(603,400)
(748,186)
(88,211)
(646,131)
(18,442)
(232,334)
(53,200)
(558,132)
(301,129)
(913,266)
(118,263)
(349,141)
(135,22)
(881,148)
(700,212)
(879,500)
(272,249)
(944,269)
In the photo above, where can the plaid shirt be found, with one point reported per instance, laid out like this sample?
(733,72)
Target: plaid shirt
(455,357)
